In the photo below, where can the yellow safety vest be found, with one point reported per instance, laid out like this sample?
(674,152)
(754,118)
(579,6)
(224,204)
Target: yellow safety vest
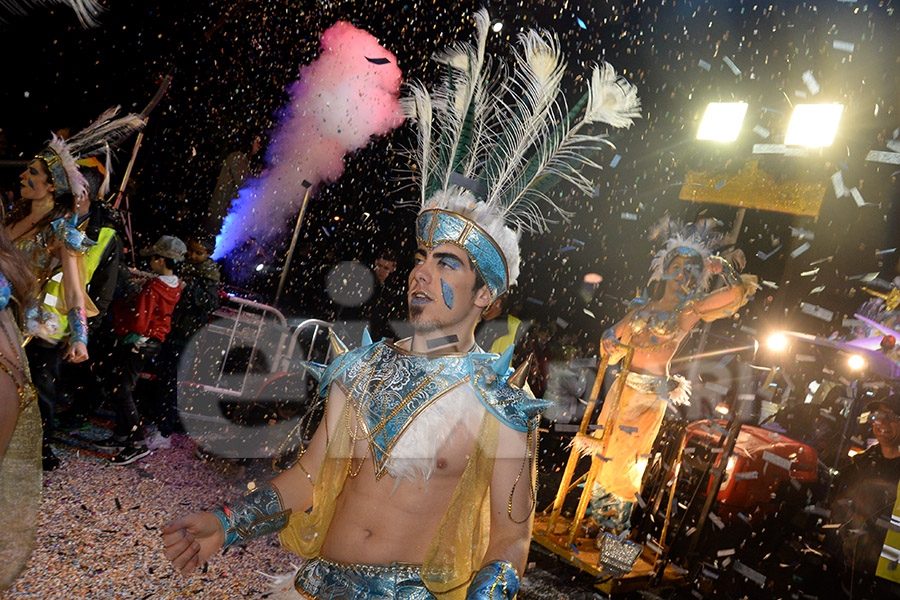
(890,554)
(53,295)
(503,342)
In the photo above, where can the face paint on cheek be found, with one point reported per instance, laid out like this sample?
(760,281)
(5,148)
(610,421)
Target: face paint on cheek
(447,293)
(30,184)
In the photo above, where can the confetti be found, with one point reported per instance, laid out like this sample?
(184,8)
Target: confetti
(767,255)
(811,84)
(731,65)
(754,576)
(844,46)
(704,65)
(890,158)
(769,148)
(857,197)
(816,311)
(776,460)
(837,182)
(800,249)
(761,131)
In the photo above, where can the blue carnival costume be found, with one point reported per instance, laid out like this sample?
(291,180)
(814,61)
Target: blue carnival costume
(492,142)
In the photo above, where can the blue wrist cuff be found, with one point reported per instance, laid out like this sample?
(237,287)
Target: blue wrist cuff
(78,329)
(495,581)
(257,514)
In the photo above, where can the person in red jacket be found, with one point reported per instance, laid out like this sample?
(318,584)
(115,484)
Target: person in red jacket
(141,325)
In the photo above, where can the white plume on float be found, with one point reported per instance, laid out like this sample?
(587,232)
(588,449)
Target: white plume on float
(340,101)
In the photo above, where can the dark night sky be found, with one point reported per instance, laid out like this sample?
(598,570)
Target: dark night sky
(232,61)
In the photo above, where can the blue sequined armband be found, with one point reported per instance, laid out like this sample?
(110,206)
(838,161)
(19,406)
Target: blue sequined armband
(259,513)
(78,328)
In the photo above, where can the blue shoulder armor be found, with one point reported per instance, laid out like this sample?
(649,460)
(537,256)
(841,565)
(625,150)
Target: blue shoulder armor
(506,395)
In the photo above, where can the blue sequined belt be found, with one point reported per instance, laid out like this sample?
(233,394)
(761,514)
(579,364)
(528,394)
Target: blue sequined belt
(647,384)
(323,579)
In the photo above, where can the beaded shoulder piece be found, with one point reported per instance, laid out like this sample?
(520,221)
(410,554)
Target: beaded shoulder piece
(391,386)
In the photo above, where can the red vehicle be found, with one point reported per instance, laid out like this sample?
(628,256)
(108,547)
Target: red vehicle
(762,462)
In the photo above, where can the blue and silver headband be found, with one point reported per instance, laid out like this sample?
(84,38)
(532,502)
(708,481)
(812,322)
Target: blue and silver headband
(58,174)
(436,226)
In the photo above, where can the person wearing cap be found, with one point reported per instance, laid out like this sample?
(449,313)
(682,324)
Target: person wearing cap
(867,491)
(141,325)
(200,282)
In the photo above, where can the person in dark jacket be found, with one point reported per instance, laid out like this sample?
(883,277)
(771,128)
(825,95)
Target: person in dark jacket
(199,300)
(867,491)
(79,382)
(141,325)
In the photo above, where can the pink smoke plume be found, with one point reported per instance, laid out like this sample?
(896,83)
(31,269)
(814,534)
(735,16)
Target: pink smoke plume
(343,98)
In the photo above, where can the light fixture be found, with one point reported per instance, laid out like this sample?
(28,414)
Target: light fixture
(722,121)
(813,125)
(856,362)
(497,27)
(777,342)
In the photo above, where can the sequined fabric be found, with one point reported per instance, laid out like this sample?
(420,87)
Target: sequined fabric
(391,386)
(328,580)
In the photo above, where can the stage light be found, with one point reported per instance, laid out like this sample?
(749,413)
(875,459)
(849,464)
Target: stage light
(777,342)
(260,267)
(722,408)
(813,125)
(497,26)
(856,362)
(722,121)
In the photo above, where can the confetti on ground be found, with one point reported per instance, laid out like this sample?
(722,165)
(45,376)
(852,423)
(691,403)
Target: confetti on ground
(103,552)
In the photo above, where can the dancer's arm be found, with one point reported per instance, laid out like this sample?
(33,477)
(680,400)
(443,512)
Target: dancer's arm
(722,302)
(74,295)
(512,513)
(193,539)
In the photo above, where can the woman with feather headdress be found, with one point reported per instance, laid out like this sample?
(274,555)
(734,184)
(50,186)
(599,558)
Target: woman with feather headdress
(44,226)
(654,327)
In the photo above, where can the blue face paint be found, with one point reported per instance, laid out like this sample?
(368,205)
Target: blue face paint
(447,292)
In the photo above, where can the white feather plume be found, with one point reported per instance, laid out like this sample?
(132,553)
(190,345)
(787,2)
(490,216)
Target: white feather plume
(612,100)
(87,11)
(508,132)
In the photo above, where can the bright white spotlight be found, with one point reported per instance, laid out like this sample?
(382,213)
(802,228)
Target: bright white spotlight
(722,121)
(497,26)
(813,125)
(777,342)
(856,362)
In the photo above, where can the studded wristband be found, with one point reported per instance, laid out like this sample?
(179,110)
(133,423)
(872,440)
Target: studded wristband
(259,513)
(497,580)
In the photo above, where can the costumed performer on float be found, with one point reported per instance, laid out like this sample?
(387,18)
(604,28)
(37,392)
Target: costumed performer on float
(43,225)
(419,481)
(20,422)
(654,327)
